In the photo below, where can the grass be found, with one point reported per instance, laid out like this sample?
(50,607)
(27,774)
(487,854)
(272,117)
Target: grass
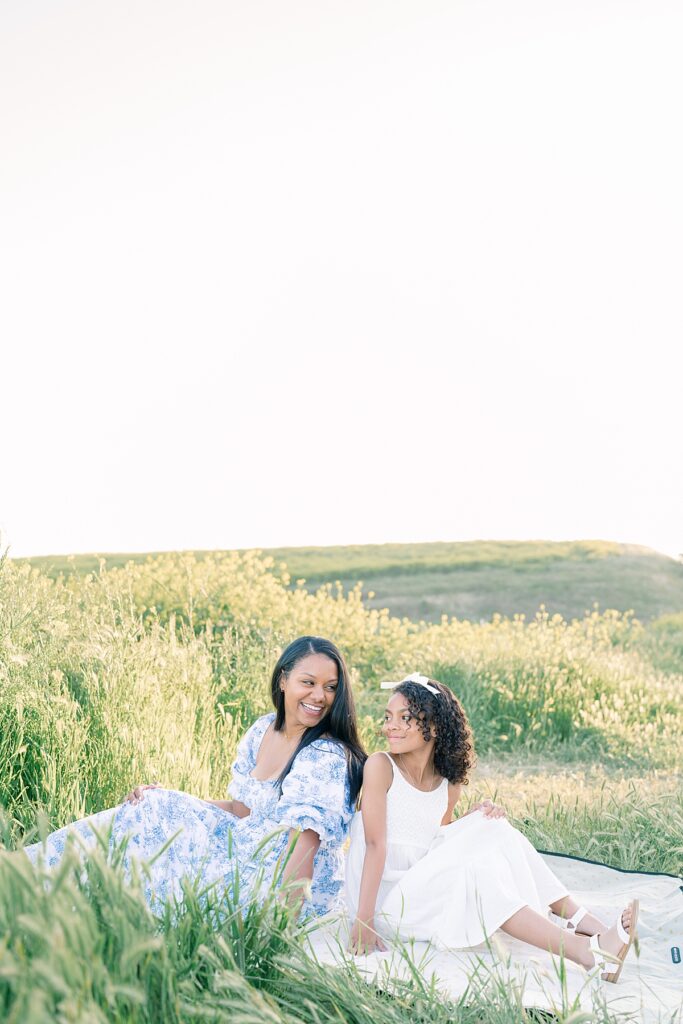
(473,579)
(154,669)
(645,582)
(83,946)
(323,564)
(633,822)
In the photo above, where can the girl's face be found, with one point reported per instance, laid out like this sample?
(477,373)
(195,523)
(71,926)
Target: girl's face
(309,690)
(401,728)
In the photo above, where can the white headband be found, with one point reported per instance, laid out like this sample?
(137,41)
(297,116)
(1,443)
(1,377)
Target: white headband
(414,678)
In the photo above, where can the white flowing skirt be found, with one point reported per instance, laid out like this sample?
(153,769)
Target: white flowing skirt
(475,875)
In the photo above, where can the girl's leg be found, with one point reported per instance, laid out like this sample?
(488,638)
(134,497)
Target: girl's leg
(588,925)
(531,927)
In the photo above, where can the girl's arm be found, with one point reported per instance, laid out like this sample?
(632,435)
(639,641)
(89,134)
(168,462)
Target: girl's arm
(377,778)
(454,793)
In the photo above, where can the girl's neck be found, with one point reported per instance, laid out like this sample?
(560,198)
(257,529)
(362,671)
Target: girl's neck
(418,765)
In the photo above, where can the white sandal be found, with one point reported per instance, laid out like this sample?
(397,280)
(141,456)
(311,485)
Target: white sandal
(603,959)
(572,923)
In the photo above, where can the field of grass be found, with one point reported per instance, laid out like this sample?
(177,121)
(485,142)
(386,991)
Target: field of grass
(362,561)
(154,669)
(474,579)
(649,584)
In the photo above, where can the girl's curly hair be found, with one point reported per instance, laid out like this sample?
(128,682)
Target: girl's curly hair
(454,755)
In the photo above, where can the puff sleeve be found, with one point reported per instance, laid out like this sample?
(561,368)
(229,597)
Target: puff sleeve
(315,793)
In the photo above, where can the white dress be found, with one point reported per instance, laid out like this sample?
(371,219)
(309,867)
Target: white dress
(451,885)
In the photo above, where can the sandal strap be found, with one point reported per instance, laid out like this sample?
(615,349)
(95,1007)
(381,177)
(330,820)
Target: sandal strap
(577,917)
(603,959)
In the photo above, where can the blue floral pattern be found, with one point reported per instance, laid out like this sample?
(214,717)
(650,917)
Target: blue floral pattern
(208,844)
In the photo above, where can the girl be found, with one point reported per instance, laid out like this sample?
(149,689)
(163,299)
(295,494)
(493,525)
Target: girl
(298,770)
(413,872)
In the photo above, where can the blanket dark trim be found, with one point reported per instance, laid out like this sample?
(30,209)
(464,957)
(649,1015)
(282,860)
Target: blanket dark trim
(623,871)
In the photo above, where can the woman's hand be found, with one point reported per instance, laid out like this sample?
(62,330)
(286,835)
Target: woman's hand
(364,939)
(136,795)
(488,809)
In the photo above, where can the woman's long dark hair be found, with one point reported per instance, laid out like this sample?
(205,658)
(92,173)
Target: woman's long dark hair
(340,721)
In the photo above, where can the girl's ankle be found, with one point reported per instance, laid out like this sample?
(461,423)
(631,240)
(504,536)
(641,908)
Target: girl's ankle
(587,959)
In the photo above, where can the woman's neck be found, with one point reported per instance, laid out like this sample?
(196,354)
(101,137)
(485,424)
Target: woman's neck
(292,731)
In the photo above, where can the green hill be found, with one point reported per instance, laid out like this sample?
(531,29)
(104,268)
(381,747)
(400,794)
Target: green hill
(473,579)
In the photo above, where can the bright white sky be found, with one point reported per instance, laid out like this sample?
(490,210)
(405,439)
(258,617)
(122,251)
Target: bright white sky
(340,271)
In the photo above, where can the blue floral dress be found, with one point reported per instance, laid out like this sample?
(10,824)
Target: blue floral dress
(208,844)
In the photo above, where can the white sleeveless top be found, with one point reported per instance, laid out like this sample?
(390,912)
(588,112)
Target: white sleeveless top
(413,823)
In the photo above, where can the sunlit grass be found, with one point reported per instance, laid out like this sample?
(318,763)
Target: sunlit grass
(626,821)
(470,579)
(154,670)
(82,946)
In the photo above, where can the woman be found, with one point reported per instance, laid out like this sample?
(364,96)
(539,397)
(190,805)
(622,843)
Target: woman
(297,774)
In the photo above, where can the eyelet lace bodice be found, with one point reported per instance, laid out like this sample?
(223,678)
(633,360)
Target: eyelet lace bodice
(413,823)
(414,816)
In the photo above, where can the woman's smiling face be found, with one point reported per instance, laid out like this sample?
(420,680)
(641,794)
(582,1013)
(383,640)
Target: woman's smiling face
(309,690)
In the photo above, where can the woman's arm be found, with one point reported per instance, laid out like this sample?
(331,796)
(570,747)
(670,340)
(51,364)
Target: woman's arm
(377,779)
(314,809)
(299,867)
(489,809)
(232,807)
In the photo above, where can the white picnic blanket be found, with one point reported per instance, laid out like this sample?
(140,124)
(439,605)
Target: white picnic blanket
(650,988)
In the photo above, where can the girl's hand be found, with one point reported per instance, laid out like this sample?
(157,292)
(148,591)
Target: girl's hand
(364,939)
(135,795)
(489,809)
